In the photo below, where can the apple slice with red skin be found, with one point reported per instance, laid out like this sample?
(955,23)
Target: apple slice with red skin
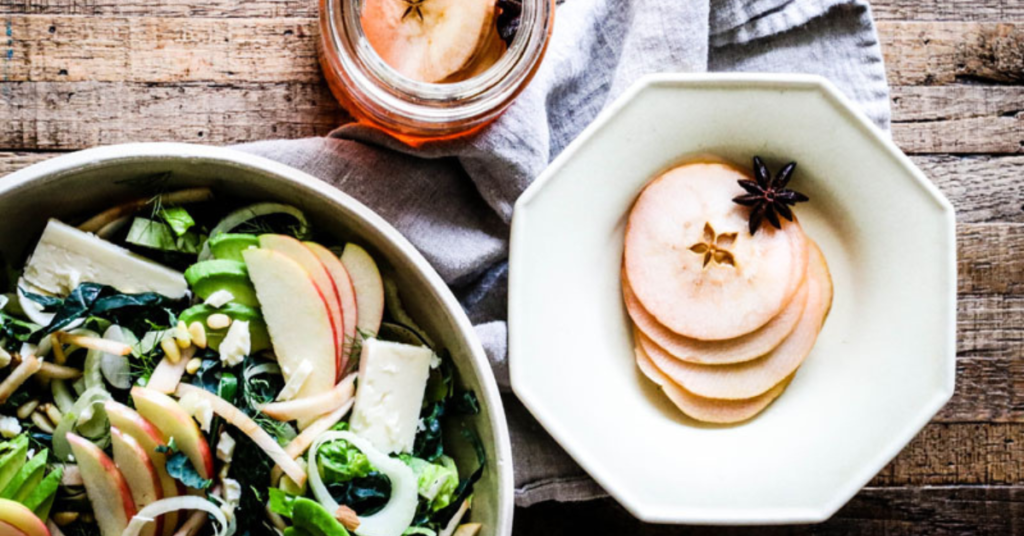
(21,520)
(346,293)
(369,287)
(297,318)
(140,474)
(129,422)
(9,530)
(173,421)
(321,277)
(108,491)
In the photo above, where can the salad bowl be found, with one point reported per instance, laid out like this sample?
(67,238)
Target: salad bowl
(882,366)
(75,186)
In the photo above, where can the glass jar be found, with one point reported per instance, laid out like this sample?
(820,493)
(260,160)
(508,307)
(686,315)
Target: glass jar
(416,112)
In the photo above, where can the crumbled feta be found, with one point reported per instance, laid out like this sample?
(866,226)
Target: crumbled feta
(30,453)
(236,344)
(220,298)
(3,302)
(9,426)
(225,447)
(435,361)
(199,408)
(232,495)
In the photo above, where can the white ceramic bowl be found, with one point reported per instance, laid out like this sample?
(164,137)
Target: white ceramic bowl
(882,367)
(80,184)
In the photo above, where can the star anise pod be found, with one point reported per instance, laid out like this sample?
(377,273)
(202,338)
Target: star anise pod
(768,197)
(509,17)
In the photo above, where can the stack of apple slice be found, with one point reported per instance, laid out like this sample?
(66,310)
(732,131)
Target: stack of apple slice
(316,305)
(434,40)
(722,318)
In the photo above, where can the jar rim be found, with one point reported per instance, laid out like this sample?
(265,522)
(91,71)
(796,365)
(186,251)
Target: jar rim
(401,103)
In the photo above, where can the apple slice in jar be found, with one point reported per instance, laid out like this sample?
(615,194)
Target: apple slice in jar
(427,40)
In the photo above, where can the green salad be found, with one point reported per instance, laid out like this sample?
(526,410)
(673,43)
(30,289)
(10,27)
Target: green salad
(183,365)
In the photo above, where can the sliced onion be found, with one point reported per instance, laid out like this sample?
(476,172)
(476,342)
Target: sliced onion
(173,504)
(248,427)
(91,400)
(115,367)
(258,370)
(62,395)
(398,513)
(244,214)
(313,406)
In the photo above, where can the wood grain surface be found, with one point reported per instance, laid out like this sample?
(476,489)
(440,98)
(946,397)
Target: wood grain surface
(78,73)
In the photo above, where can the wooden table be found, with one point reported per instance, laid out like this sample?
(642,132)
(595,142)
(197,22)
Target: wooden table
(79,73)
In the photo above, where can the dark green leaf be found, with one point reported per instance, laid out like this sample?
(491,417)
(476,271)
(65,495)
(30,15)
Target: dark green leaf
(179,467)
(128,310)
(49,303)
(465,488)
(366,495)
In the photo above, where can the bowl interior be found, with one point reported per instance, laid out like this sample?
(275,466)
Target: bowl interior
(95,180)
(880,369)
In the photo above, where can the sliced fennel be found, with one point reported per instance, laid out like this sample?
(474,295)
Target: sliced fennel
(398,513)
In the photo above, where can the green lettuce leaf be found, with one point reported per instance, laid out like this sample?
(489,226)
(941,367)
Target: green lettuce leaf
(178,219)
(340,462)
(437,482)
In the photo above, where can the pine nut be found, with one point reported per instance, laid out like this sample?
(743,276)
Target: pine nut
(27,408)
(218,321)
(198,334)
(53,413)
(170,348)
(42,422)
(182,336)
(63,519)
(193,365)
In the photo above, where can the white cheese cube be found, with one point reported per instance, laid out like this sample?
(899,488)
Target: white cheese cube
(225,447)
(65,257)
(9,426)
(392,380)
(220,298)
(236,345)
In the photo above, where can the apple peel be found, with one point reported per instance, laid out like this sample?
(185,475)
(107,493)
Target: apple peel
(246,425)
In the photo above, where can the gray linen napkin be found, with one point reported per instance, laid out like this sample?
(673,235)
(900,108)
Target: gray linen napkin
(454,200)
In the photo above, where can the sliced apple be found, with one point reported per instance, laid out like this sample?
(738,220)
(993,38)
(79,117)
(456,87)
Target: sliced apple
(368,284)
(318,272)
(743,348)
(20,519)
(173,421)
(130,423)
(10,530)
(297,318)
(708,409)
(139,472)
(346,294)
(108,491)
(693,263)
(752,378)
(427,40)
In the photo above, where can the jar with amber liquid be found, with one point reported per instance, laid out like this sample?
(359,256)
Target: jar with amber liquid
(425,70)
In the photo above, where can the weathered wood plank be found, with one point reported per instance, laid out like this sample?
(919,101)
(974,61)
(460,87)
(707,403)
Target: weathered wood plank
(148,49)
(983,188)
(958,119)
(935,53)
(163,8)
(929,511)
(54,115)
(949,10)
(963,453)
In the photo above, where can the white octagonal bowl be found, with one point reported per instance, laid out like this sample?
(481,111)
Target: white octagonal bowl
(882,367)
(78,185)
